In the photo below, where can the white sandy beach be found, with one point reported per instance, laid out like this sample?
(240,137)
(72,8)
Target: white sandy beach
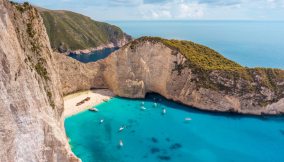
(96,97)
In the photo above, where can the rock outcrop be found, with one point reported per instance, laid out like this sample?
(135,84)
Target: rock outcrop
(31,124)
(76,76)
(185,72)
(196,76)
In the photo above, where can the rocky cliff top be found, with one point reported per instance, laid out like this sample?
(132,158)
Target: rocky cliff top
(194,75)
(183,71)
(206,62)
(198,56)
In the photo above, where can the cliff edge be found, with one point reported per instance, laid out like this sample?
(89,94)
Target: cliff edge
(31,124)
(182,71)
(194,75)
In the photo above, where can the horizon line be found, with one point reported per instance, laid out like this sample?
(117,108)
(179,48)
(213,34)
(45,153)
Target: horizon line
(244,20)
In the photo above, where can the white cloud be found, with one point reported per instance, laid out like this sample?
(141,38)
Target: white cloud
(125,2)
(275,3)
(176,9)
(170,9)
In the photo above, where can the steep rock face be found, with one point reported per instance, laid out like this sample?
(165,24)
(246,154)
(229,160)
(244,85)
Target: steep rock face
(76,76)
(152,65)
(31,126)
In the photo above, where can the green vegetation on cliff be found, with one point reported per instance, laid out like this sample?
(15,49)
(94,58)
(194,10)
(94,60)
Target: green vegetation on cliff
(198,55)
(21,7)
(27,18)
(69,30)
(214,71)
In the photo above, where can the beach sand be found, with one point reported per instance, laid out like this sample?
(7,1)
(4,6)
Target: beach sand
(97,96)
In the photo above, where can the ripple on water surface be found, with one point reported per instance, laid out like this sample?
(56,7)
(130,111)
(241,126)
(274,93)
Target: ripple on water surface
(149,135)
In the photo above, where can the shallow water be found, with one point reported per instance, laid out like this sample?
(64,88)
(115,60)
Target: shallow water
(94,56)
(151,136)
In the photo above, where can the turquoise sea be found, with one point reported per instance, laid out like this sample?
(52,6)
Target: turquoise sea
(150,136)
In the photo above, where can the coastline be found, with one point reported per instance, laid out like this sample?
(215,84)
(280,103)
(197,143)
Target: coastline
(117,44)
(97,96)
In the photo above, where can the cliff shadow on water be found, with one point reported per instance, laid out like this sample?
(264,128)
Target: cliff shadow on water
(159,99)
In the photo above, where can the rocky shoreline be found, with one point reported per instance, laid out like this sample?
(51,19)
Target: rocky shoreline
(119,44)
(134,70)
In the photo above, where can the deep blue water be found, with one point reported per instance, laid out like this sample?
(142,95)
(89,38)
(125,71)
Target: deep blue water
(150,136)
(94,56)
(250,43)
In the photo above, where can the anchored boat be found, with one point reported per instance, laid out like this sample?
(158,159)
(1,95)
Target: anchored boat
(164,111)
(93,109)
(120,143)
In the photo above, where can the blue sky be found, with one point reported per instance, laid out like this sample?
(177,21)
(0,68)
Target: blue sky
(170,9)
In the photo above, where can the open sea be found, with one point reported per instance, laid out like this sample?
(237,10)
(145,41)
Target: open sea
(250,43)
(151,136)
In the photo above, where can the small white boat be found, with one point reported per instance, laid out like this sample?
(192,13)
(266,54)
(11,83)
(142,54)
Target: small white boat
(101,121)
(187,119)
(164,111)
(121,129)
(142,103)
(155,104)
(93,109)
(120,143)
(143,108)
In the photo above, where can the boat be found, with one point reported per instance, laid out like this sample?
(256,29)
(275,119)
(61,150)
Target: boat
(164,111)
(101,121)
(155,104)
(93,109)
(143,108)
(187,119)
(142,103)
(83,101)
(120,143)
(121,129)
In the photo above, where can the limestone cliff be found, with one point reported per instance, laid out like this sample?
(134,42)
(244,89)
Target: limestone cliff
(193,75)
(31,124)
(182,71)
(76,76)
(33,80)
